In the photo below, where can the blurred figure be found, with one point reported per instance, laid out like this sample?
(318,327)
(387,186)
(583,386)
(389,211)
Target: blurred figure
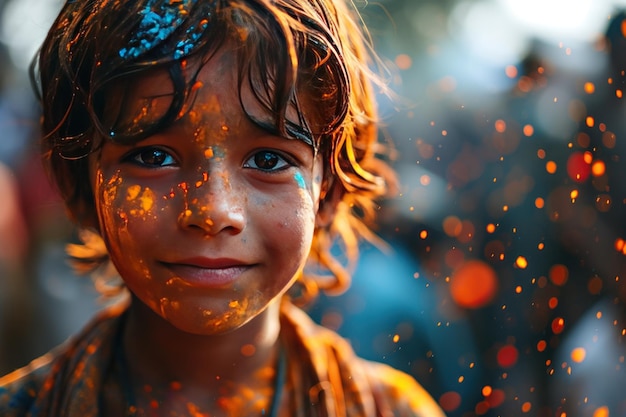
(41,301)
(14,238)
(13,247)
(589,372)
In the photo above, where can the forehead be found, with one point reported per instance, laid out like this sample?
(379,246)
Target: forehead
(211,88)
(192,78)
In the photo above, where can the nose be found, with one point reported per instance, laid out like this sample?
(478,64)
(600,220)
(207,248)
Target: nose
(212,205)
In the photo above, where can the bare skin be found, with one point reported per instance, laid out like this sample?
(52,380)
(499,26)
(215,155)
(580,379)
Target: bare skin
(208,223)
(212,378)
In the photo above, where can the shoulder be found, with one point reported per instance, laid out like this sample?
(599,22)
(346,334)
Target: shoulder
(19,389)
(399,393)
(364,384)
(49,380)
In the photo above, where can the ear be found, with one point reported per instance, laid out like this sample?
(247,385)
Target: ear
(331,195)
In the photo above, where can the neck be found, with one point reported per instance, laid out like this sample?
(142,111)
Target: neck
(160,356)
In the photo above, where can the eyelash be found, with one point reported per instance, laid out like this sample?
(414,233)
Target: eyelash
(280,161)
(134,157)
(283,161)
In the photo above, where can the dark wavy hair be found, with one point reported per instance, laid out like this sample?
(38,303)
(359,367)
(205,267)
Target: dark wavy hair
(312,53)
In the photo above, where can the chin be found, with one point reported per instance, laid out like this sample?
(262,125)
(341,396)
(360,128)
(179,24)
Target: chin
(206,322)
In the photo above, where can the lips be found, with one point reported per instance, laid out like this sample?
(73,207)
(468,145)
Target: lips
(207,272)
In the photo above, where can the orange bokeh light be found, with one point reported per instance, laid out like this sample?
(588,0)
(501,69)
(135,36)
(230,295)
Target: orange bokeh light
(521,262)
(601,412)
(474,284)
(450,401)
(553,302)
(558,274)
(507,356)
(578,166)
(452,226)
(542,345)
(540,203)
(594,286)
(404,62)
(558,325)
(598,168)
(579,354)
(551,167)
(496,398)
(481,408)
(528,130)
(511,71)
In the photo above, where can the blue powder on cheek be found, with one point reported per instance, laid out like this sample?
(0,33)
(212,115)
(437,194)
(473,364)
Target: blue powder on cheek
(300,180)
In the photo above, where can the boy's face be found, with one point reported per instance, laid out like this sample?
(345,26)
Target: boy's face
(212,219)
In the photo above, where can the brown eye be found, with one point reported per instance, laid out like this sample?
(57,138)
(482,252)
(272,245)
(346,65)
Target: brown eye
(152,158)
(267,161)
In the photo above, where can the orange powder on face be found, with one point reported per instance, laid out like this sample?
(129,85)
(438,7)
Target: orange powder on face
(132,192)
(109,192)
(147,200)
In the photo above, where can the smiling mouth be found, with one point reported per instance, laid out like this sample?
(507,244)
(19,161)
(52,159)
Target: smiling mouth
(206,275)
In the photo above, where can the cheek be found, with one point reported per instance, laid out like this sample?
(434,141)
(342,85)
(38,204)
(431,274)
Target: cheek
(107,195)
(288,220)
(125,210)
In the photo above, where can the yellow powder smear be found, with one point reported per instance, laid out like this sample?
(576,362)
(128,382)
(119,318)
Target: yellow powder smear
(132,192)
(193,116)
(147,199)
(213,105)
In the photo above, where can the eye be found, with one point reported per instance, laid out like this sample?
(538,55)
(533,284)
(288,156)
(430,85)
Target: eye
(267,161)
(151,158)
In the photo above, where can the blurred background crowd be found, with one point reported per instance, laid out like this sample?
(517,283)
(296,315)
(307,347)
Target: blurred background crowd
(503,290)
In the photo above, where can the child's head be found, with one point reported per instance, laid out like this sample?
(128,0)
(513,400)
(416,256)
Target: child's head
(299,70)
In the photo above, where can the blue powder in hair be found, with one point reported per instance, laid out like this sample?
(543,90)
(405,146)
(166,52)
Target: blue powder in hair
(159,20)
(184,47)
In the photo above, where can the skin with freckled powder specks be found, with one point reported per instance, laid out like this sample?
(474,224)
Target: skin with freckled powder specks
(206,209)
(213,147)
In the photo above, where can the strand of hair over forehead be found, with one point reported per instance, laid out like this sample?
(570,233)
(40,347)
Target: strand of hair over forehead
(353,139)
(351,117)
(306,26)
(363,174)
(80,27)
(273,91)
(354,142)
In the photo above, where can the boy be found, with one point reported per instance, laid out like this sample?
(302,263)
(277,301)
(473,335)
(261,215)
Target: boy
(215,146)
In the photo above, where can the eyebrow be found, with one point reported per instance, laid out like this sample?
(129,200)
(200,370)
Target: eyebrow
(159,95)
(291,128)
